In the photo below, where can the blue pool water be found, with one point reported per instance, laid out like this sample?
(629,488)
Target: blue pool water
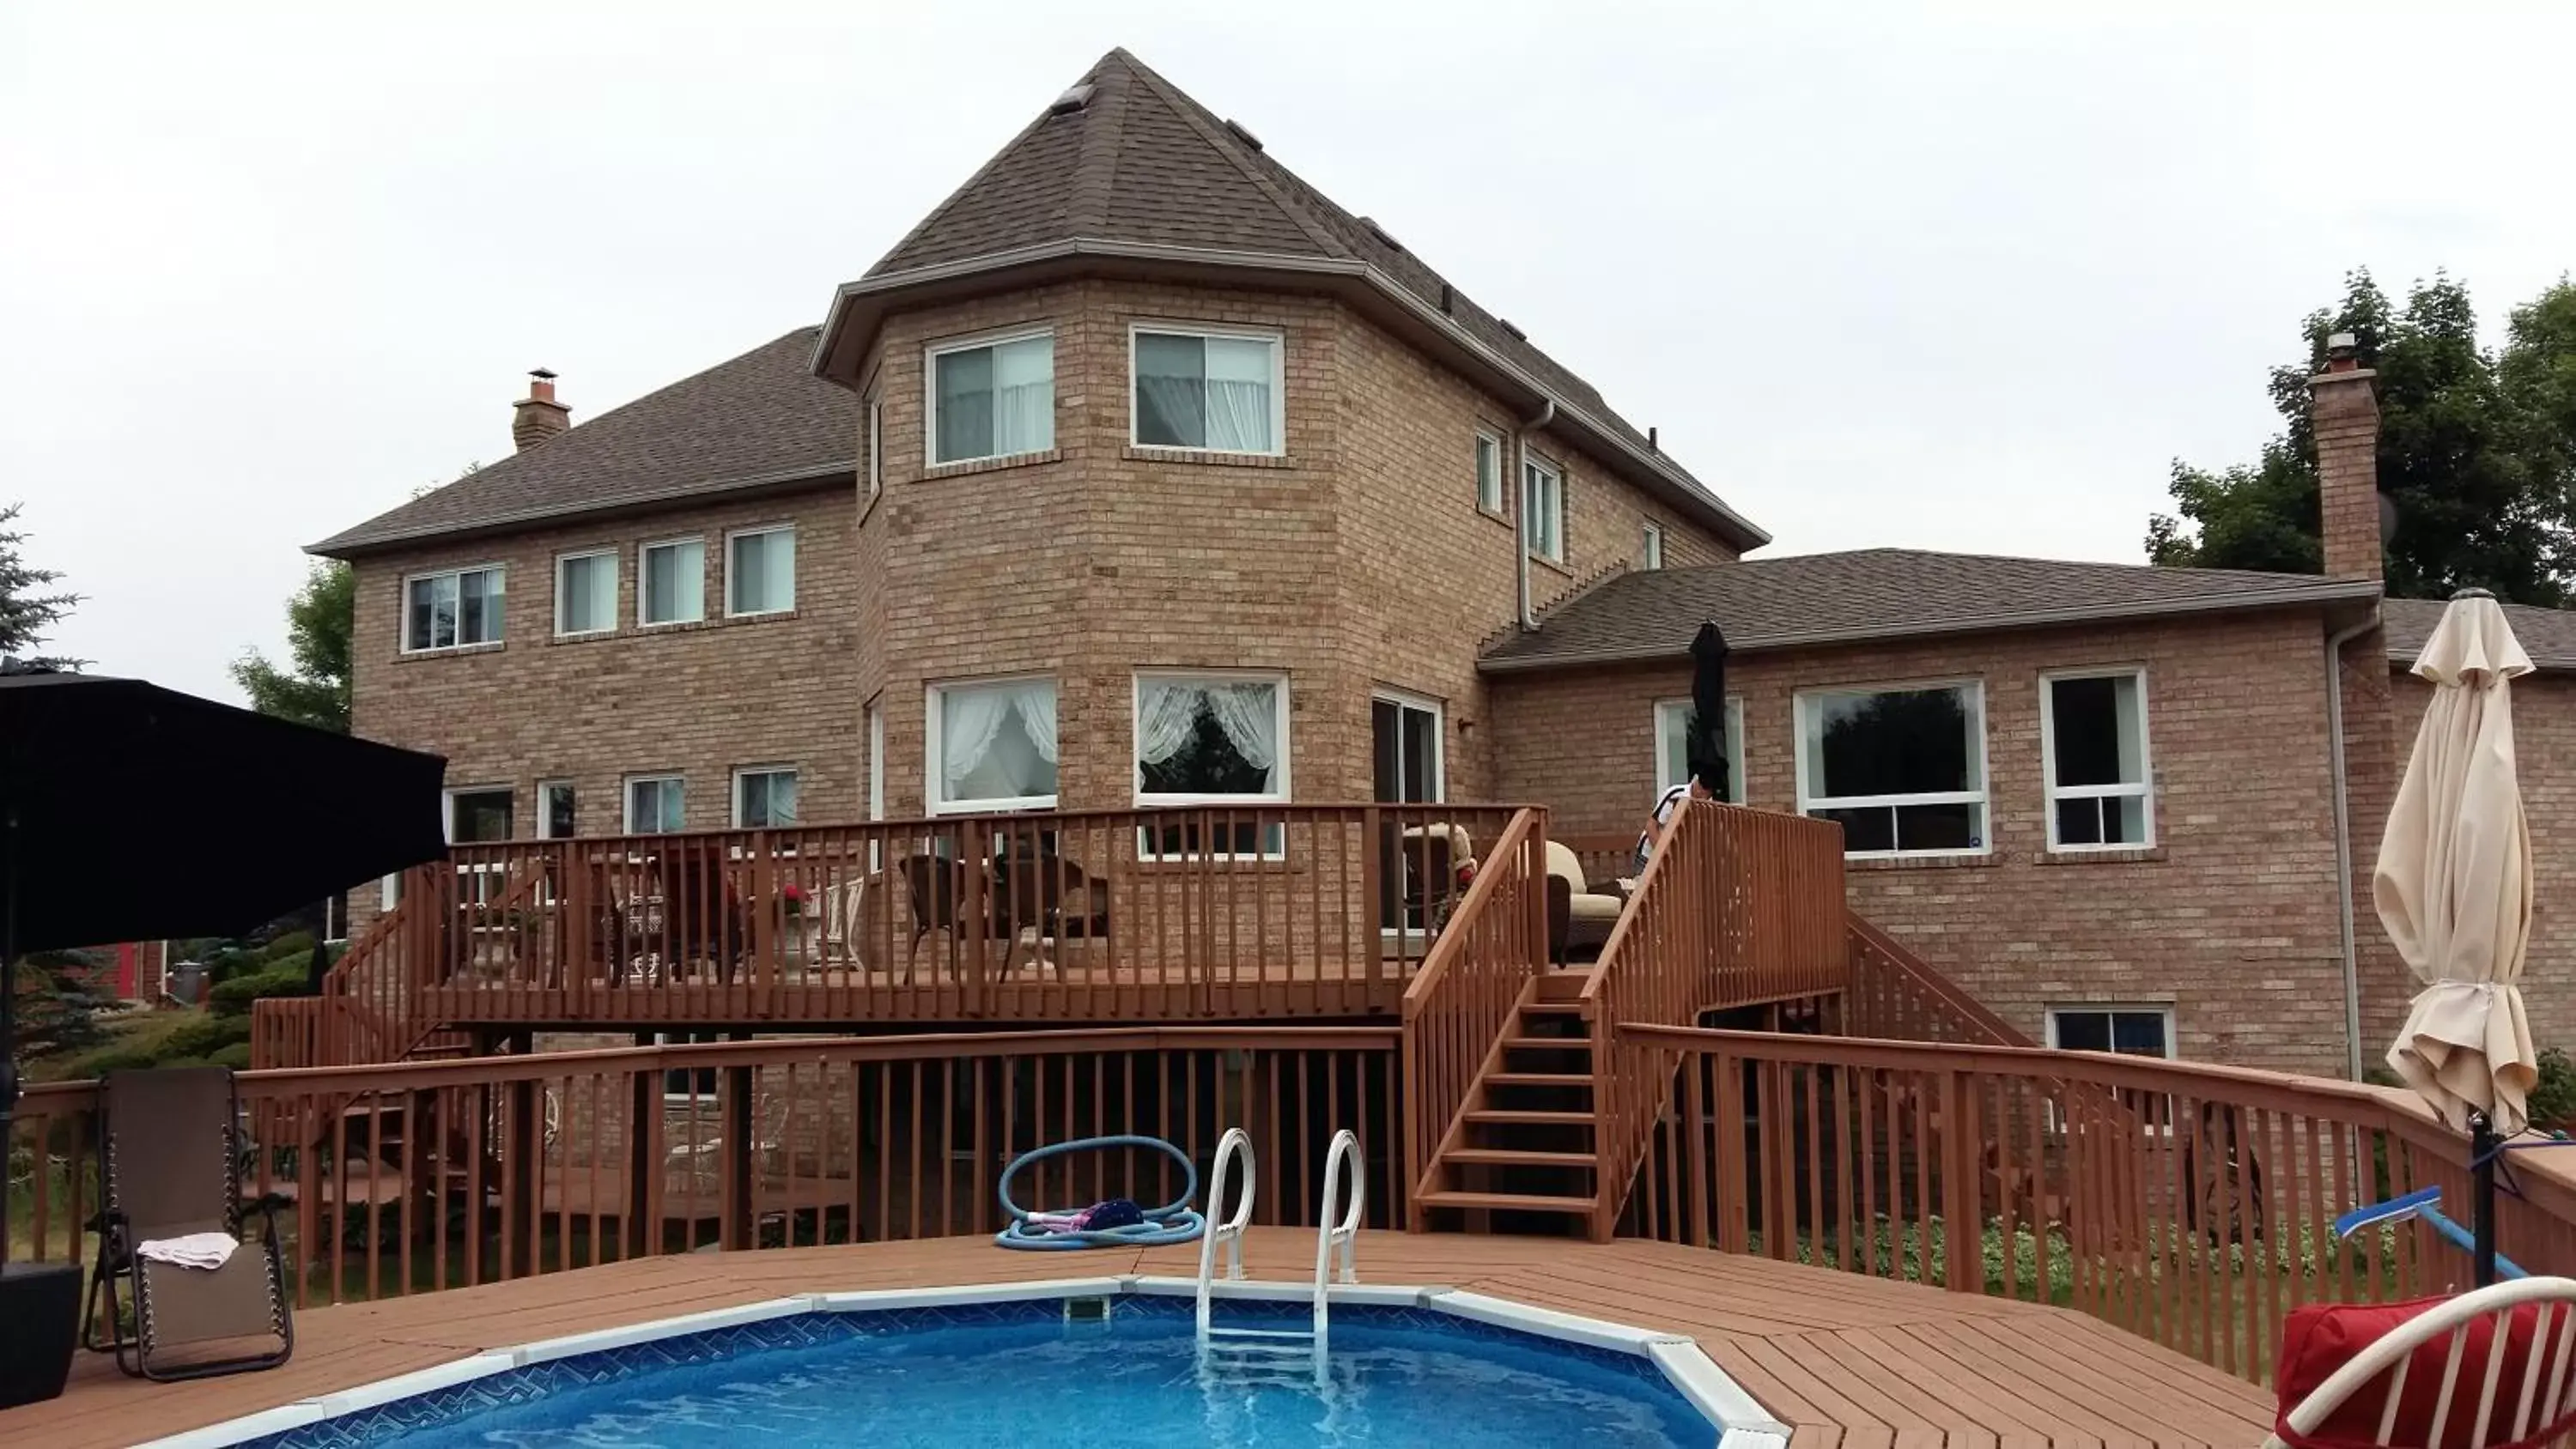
(1019,1375)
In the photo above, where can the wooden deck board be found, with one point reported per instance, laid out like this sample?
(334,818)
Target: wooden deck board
(1848,1362)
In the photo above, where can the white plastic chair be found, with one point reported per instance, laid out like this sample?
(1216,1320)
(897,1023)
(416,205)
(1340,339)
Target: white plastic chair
(2495,1412)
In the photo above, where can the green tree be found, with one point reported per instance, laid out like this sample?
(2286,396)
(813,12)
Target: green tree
(320,619)
(2477,451)
(59,994)
(29,605)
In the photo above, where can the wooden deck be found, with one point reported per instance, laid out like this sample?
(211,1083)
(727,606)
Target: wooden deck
(1849,1361)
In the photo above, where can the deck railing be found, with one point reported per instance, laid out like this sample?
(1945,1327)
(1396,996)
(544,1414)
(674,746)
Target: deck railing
(418,1176)
(1171,915)
(1738,907)
(2187,1204)
(1470,984)
(1898,995)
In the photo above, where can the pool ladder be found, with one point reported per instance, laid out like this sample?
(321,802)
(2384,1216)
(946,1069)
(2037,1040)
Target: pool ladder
(1336,1245)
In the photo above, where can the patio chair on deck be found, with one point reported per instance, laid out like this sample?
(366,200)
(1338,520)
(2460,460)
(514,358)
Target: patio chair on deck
(936,886)
(1055,895)
(1437,861)
(169,1166)
(2489,1368)
(702,917)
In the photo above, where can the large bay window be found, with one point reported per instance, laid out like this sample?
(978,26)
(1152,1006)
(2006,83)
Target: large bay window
(1902,770)
(1674,720)
(992,745)
(992,399)
(1207,388)
(452,609)
(1216,741)
(2093,743)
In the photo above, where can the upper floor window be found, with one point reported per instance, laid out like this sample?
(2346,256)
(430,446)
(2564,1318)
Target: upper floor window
(1674,720)
(992,399)
(1543,508)
(764,797)
(876,445)
(453,608)
(1902,770)
(2093,743)
(992,745)
(1650,548)
(1215,389)
(1489,472)
(655,804)
(586,592)
(671,582)
(760,570)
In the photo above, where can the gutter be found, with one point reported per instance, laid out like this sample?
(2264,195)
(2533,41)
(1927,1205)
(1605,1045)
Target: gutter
(1520,505)
(2343,839)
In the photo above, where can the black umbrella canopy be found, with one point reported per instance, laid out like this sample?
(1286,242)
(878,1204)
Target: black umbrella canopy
(130,812)
(1706,748)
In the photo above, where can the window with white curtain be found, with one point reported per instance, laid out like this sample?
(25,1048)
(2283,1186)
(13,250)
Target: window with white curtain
(1673,721)
(760,570)
(452,609)
(1212,389)
(764,797)
(992,745)
(1543,506)
(655,804)
(1902,770)
(1213,740)
(671,582)
(586,592)
(992,399)
(2093,743)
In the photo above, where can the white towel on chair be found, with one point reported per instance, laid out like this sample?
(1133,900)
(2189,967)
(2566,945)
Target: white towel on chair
(189,1250)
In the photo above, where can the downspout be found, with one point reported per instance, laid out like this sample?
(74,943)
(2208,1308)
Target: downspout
(2343,839)
(1520,506)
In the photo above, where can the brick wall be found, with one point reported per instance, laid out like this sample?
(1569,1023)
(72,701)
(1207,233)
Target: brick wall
(2231,918)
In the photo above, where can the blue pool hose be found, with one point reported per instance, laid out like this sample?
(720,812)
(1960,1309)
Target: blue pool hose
(1174,1222)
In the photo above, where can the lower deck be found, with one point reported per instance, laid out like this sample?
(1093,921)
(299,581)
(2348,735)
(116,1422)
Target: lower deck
(1845,1360)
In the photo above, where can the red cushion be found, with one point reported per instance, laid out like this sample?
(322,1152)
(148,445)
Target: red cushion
(2322,1337)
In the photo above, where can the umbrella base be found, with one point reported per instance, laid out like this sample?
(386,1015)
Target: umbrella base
(39,1320)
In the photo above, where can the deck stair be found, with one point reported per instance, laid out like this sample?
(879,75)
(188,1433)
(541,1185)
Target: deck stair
(1522,1150)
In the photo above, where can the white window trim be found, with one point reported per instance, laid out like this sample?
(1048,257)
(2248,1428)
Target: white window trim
(734,791)
(644,576)
(2164,1009)
(2144,791)
(1809,804)
(562,559)
(447,805)
(1439,733)
(545,816)
(1278,382)
(876,440)
(1555,470)
(626,797)
(1136,768)
(458,573)
(734,535)
(1734,744)
(1502,468)
(930,356)
(934,788)
(876,762)
(1650,546)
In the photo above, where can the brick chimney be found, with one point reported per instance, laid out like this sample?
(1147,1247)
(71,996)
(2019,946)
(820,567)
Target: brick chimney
(538,416)
(2346,419)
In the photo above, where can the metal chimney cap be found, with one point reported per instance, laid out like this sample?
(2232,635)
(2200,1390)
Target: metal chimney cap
(2341,339)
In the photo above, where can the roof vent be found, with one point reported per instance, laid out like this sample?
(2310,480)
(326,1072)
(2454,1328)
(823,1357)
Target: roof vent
(1444,297)
(1243,133)
(1072,100)
(1510,328)
(1380,232)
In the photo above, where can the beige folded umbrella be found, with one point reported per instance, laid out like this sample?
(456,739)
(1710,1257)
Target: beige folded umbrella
(2453,883)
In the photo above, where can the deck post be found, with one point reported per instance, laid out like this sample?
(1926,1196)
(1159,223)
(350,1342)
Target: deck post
(1734,1227)
(1963,1227)
(1372,868)
(643,1153)
(741,1224)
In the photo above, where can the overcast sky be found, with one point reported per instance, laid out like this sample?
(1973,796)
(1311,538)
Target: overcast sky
(1955,276)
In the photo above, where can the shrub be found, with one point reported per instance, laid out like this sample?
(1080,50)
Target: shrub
(295,946)
(233,997)
(203,1037)
(115,1059)
(2553,1098)
(236,1056)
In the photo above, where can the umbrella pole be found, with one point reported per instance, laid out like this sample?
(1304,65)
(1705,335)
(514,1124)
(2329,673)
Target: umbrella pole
(2484,1148)
(9,1009)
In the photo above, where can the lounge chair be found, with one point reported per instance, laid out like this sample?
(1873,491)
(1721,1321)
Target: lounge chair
(1589,914)
(169,1164)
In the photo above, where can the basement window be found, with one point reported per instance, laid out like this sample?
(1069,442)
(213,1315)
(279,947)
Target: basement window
(2134,1031)
(2093,744)
(1902,770)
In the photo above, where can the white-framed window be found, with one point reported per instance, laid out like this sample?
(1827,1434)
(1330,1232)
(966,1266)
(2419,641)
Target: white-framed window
(478,814)
(876,444)
(764,797)
(1673,719)
(760,570)
(2093,750)
(1489,472)
(655,804)
(2135,1031)
(586,592)
(692,1085)
(1406,753)
(990,397)
(1216,389)
(1543,508)
(1212,739)
(1650,547)
(671,582)
(992,745)
(876,763)
(1902,769)
(555,817)
(452,608)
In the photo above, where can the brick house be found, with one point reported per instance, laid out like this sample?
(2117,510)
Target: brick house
(1139,472)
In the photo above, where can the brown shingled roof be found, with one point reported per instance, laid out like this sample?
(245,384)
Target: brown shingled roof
(1879,593)
(2547,635)
(762,419)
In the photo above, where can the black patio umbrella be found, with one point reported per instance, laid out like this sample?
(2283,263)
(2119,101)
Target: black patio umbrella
(129,812)
(1705,750)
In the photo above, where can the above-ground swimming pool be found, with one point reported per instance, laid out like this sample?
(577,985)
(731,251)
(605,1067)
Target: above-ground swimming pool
(1113,1363)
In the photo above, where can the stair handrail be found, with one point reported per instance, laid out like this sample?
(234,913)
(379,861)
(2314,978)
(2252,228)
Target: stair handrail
(1221,1229)
(1467,992)
(1343,1236)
